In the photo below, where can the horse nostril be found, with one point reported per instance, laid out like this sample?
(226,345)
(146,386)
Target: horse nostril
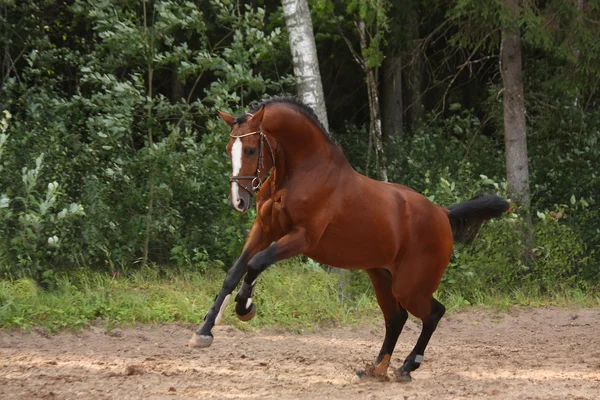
(241,203)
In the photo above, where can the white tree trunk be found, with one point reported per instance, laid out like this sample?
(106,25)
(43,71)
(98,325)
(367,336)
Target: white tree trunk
(304,56)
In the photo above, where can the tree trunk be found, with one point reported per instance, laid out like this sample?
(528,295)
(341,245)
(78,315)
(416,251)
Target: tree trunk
(391,97)
(515,139)
(177,89)
(150,98)
(304,56)
(576,53)
(415,72)
(414,81)
(374,110)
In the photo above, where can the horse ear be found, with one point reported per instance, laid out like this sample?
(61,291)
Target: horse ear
(228,118)
(258,116)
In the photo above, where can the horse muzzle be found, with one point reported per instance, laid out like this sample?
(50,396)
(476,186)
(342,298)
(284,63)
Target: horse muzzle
(239,199)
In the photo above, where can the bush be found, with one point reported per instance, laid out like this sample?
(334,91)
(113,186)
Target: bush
(115,156)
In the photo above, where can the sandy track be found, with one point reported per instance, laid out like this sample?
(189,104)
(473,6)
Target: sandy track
(526,354)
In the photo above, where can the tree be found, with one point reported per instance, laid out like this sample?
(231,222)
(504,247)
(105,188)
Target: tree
(415,64)
(391,96)
(304,56)
(370,22)
(401,54)
(515,133)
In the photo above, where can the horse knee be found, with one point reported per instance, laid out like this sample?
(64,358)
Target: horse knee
(262,260)
(229,284)
(231,280)
(234,275)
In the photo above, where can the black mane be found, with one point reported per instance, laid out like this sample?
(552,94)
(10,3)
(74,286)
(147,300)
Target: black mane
(287,99)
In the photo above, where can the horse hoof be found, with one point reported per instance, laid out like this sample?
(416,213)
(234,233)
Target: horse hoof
(249,315)
(402,376)
(361,374)
(200,341)
(368,375)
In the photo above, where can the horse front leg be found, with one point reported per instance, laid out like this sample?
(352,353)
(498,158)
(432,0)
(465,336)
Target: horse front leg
(254,244)
(245,309)
(288,246)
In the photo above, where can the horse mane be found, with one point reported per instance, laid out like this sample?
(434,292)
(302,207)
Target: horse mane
(286,99)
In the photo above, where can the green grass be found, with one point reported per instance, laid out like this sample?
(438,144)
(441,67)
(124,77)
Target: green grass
(292,296)
(526,296)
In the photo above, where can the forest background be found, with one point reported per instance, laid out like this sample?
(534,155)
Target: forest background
(113,168)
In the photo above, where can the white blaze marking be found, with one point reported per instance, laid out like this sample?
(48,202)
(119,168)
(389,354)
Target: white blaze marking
(419,358)
(248,302)
(236,164)
(223,307)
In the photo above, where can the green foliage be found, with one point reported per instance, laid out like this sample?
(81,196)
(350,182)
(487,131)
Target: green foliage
(115,104)
(31,218)
(344,19)
(565,31)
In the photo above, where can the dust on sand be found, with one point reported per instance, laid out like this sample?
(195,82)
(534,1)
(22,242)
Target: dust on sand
(523,354)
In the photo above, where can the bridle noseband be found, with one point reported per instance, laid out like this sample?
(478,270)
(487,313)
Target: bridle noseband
(256,182)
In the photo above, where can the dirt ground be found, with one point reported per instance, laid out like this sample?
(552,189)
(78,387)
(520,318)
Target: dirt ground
(524,354)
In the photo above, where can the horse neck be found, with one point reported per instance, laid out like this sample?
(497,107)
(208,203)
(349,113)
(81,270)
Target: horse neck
(273,158)
(331,159)
(299,138)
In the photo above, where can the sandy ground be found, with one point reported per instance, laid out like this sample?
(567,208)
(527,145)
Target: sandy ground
(524,354)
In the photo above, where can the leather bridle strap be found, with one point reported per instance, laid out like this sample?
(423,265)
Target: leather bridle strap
(256,182)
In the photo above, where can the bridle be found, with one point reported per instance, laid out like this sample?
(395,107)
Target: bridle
(256,181)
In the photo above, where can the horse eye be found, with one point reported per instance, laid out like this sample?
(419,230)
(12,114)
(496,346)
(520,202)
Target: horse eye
(249,151)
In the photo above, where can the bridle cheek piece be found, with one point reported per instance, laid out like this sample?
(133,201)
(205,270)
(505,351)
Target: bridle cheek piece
(255,180)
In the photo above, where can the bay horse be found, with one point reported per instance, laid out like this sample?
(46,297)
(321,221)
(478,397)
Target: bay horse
(315,204)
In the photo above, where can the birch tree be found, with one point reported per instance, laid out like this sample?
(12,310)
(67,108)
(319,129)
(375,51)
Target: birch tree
(304,56)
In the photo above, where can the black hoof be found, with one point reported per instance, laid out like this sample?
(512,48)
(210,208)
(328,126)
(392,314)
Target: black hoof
(246,315)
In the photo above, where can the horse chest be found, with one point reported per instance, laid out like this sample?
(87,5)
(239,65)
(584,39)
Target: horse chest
(273,216)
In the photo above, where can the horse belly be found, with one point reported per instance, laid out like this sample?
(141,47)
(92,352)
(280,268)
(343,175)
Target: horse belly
(359,242)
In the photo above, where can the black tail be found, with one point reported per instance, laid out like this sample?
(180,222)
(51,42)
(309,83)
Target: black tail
(466,218)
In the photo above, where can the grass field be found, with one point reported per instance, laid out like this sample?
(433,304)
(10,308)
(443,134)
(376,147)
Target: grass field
(292,295)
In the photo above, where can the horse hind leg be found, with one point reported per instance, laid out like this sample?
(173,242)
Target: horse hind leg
(430,322)
(395,317)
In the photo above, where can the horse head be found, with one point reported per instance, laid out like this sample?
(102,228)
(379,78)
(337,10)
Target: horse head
(247,148)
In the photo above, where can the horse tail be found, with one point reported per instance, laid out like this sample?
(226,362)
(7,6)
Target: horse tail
(466,218)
